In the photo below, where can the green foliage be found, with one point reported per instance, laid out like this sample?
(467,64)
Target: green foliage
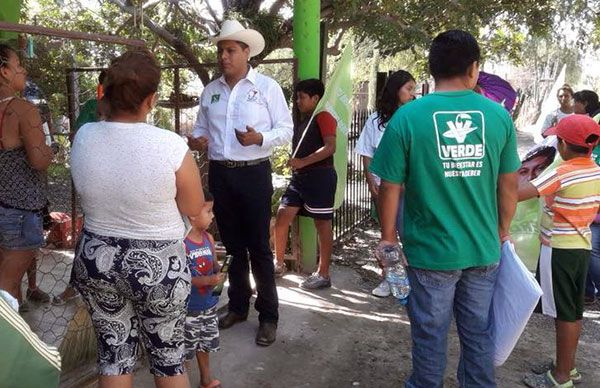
(401,31)
(279,160)
(276,200)
(58,171)
(398,26)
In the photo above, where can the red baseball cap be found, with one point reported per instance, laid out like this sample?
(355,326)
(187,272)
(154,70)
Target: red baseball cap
(580,130)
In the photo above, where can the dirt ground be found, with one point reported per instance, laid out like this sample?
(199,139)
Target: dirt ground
(344,337)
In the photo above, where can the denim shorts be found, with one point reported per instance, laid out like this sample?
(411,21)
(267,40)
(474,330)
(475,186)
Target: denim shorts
(20,229)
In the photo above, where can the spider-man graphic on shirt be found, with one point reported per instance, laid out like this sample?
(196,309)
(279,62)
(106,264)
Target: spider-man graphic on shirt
(201,258)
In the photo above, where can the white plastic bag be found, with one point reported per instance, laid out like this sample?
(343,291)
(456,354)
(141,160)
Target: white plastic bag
(515,296)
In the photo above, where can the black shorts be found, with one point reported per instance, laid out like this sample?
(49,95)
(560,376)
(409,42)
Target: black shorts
(313,191)
(562,274)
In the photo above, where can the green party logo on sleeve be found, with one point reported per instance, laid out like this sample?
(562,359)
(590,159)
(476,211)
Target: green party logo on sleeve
(215,98)
(460,135)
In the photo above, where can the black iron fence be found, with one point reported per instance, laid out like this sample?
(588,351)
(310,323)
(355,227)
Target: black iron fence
(357,202)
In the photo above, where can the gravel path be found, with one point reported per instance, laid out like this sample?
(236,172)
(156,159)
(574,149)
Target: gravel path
(536,343)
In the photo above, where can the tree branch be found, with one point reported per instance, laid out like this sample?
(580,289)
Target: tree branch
(182,48)
(276,6)
(192,21)
(335,49)
(150,3)
(212,12)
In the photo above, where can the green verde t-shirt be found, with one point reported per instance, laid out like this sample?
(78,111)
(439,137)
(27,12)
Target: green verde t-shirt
(448,149)
(596,151)
(88,113)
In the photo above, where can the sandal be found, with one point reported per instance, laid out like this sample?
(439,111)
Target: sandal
(213,384)
(280,269)
(37,295)
(544,380)
(545,366)
(59,300)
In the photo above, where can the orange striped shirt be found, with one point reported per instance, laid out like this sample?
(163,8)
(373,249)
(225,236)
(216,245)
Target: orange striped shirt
(572,197)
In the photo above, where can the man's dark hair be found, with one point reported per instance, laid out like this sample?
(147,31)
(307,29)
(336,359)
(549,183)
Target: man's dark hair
(312,87)
(590,99)
(577,149)
(101,77)
(208,197)
(451,54)
(566,88)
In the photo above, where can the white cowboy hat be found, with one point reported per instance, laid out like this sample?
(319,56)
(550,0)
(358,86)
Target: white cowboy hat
(233,30)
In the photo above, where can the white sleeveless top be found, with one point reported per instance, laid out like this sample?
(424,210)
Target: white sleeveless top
(125,175)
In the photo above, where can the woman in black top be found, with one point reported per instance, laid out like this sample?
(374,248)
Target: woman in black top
(24,157)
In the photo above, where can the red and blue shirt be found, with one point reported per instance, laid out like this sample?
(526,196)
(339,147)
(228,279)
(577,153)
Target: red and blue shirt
(200,259)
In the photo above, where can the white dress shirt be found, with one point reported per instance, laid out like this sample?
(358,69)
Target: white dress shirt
(256,101)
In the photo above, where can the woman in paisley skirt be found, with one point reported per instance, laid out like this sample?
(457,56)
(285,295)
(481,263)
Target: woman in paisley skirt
(135,182)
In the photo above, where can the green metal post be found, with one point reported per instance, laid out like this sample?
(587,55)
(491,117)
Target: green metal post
(307,27)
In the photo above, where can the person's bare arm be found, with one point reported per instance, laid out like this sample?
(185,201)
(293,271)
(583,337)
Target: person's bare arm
(189,197)
(326,151)
(389,195)
(507,193)
(370,178)
(39,154)
(527,191)
(207,280)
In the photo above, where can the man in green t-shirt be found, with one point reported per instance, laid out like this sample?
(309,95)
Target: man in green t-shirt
(456,154)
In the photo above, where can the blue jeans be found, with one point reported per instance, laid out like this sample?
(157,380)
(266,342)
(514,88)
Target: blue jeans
(20,230)
(434,297)
(592,284)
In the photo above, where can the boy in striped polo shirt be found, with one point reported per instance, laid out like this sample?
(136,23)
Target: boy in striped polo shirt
(571,193)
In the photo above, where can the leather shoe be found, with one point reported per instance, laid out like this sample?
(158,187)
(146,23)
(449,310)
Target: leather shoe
(230,318)
(266,333)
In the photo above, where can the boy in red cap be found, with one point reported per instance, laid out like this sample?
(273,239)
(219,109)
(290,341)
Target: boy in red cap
(571,193)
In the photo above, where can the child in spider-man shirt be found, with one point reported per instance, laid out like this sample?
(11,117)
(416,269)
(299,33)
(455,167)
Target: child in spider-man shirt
(201,324)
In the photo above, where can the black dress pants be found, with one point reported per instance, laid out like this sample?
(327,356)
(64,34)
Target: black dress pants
(242,209)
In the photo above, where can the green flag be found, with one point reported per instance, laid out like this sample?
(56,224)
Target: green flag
(336,101)
(10,11)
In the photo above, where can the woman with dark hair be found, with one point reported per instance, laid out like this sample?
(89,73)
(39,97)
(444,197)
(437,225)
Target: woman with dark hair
(24,157)
(399,89)
(135,181)
(564,95)
(586,103)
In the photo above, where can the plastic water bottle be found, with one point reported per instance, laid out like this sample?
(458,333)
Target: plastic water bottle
(395,273)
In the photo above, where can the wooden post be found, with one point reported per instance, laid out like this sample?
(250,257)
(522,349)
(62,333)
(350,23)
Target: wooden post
(76,35)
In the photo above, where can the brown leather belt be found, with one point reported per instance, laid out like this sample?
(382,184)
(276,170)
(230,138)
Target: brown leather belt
(239,163)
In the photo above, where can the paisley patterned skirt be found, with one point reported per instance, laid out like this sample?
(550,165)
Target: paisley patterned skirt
(135,289)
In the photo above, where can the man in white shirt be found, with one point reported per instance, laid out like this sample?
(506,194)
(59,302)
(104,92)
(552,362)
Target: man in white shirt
(243,115)
(564,95)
